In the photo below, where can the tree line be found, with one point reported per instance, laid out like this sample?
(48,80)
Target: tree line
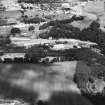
(39,1)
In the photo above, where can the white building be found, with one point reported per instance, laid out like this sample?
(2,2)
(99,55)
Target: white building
(11,5)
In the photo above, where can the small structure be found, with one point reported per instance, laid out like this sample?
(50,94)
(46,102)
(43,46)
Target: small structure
(65,7)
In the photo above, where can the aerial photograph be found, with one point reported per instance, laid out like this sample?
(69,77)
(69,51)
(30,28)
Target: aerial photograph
(52,52)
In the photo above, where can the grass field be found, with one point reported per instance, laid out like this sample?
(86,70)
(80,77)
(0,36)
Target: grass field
(32,82)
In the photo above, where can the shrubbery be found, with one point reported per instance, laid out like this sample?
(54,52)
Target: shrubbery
(33,20)
(39,1)
(44,35)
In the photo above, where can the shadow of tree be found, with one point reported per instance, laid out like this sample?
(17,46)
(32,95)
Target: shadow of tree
(68,98)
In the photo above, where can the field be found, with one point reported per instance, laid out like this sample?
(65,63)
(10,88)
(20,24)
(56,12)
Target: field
(30,82)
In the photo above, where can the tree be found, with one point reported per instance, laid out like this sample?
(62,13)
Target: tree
(31,28)
(36,52)
(15,31)
(94,25)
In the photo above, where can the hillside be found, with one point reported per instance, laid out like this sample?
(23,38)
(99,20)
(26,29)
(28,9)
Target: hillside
(52,52)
